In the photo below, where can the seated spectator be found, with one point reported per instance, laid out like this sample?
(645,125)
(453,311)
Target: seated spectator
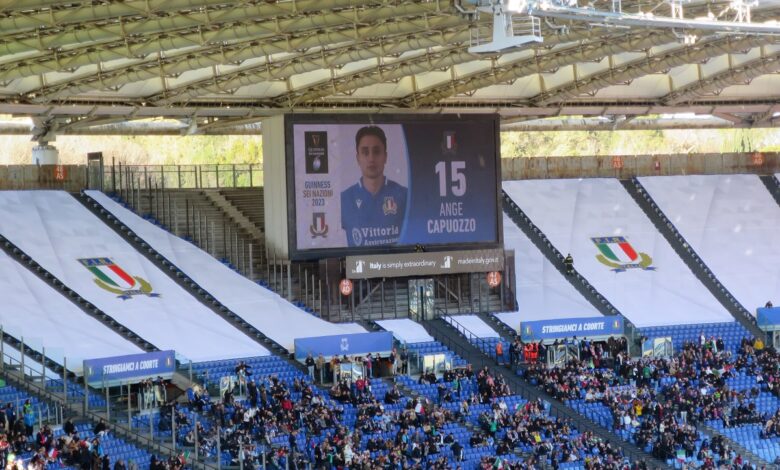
(392,395)
(100,428)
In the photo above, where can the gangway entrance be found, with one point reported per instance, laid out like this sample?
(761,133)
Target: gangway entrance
(658,347)
(421,299)
(768,319)
(559,354)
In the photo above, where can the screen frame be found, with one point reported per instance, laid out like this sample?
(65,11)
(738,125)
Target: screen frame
(290,120)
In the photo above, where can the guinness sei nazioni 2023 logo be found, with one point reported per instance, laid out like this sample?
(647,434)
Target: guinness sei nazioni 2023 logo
(112,278)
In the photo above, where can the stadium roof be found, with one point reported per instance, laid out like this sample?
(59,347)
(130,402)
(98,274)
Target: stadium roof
(213,66)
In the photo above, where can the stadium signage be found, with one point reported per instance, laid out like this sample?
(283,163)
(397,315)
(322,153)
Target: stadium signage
(768,318)
(568,327)
(618,254)
(424,264)
(494,278)
(111,371)
(345,287)
(110,277)
(380,342)
(362,183)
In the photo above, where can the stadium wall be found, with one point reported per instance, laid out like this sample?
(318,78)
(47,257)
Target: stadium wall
(67,177)
(74,177)
(275,182)
(627,166)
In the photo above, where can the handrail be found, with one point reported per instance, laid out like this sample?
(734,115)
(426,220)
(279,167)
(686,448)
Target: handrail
(34,354)
(503,327)
(120,177)
(472,337)
(459,350)
(448,292)
(461,328)
(24,367)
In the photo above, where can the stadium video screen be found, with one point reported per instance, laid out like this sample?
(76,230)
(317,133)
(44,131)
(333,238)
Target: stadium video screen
(370,184)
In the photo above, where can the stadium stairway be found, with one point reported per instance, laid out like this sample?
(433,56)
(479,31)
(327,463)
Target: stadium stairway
(187,283)
(771,183)
(175,209)
(690,257)
(226,206)
(248,201)
(87,307)
(501,328)
(194,215)
(451,338)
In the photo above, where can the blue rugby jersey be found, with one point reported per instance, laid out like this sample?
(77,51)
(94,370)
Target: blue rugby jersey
(373,219)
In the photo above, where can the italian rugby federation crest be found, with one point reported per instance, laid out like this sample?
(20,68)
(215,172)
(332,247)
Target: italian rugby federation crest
(618,254)
(318,227)
(389,207)
(112,278)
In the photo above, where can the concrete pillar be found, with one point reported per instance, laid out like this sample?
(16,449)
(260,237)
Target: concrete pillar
(45,155)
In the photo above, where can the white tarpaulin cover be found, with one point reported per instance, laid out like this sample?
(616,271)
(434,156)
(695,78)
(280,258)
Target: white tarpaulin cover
(265,310)
(733,223)
(406,330)
(344,328)
(473,324)
(512,319)
(617,248)
(45,318)
(543,293)
(57,232)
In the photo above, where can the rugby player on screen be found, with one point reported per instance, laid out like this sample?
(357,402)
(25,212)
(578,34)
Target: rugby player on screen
(373,209)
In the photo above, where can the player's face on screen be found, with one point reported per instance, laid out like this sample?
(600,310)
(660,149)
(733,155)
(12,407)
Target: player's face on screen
(371,156)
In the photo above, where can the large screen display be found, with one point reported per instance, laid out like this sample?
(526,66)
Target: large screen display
(371,183)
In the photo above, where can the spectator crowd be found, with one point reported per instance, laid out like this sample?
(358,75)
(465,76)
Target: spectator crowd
(658,402)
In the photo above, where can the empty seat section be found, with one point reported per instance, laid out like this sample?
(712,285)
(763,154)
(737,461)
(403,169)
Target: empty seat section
(90,258)
(731,222)
(260,307)
(617,249)
(542,292)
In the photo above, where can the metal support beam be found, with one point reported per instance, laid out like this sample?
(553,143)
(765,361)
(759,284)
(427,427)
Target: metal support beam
(358,44)
(261,21)
(654,63)
(715,83)
(289,15)
(503,72)
(430,59)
